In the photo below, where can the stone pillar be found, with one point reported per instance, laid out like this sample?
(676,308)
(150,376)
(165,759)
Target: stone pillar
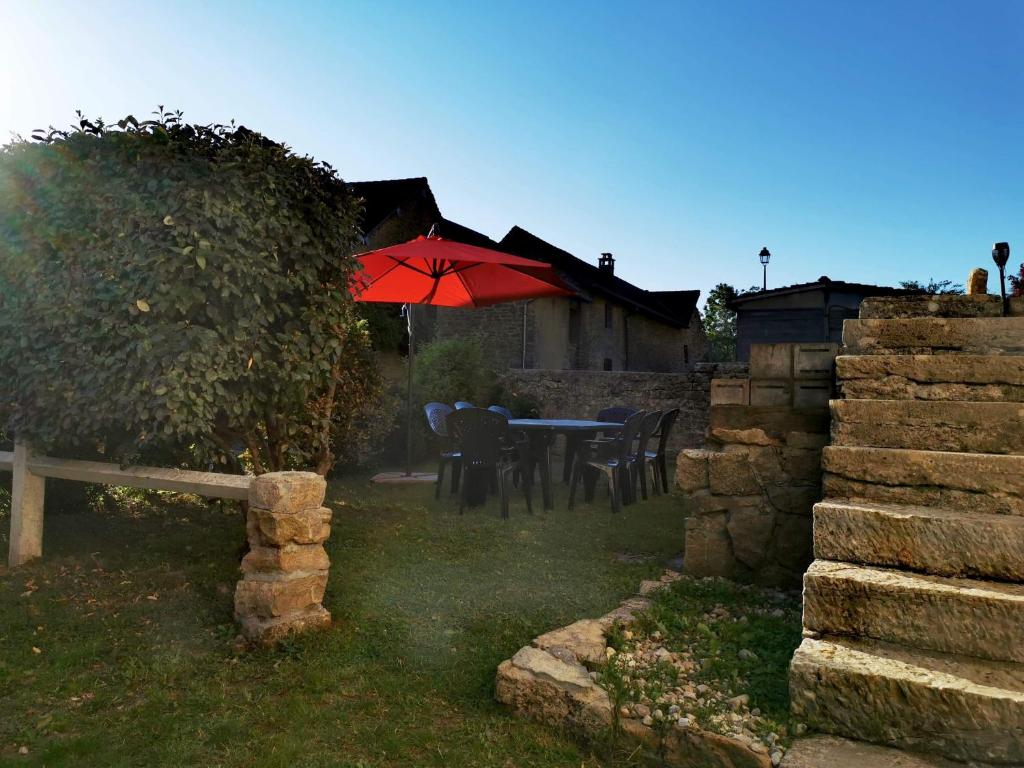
(285,571)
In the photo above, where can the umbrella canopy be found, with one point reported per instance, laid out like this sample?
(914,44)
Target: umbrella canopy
(446,273)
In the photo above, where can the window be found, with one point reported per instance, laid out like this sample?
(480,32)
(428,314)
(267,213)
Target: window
(609,312)
(607,363)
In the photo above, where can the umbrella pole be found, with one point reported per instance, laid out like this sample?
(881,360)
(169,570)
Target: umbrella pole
(408,397)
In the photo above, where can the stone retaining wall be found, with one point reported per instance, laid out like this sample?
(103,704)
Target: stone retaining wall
(285,570)
(581,394)
(550,681)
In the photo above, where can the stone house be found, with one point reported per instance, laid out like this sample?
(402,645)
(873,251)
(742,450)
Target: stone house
(608,325)
(802,313)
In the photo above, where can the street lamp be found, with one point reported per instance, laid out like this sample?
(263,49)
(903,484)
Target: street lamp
(1001,255)
(765,255)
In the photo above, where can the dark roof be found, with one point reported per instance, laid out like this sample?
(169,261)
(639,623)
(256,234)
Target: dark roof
(383,198)
(455,231)
(822,282)
(674,308)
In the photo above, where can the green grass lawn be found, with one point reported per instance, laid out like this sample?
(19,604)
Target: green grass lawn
(117,646)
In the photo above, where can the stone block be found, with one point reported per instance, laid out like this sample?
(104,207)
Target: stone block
(932,377)
(268,632)
(793,542)
(935,335)
(977,282)
(730,474)
(803,465)
(774,421)
(966,709)
(582,642)
(984,427)
(812,394)
(925,539)
(707,549)
(822,751)
(959,481)
(948,305)
(766,462)
(751,436)
(287,492)
(269,598)
(310,526)
(692,469)
(795,499)
(983,619)
(814,361)
(750,532)
(771,392)
(705,502)
(815,440)
(730,392)
(771,361)
(292,558)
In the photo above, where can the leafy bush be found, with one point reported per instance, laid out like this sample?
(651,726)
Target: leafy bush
(181,288)
(455,369)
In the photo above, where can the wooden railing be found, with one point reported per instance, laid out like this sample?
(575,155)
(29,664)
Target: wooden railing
(30,473)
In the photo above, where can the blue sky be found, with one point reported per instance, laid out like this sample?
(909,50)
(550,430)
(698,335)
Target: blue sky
(870,141)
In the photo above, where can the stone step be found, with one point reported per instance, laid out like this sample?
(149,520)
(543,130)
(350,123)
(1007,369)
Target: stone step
(935,335)
(998,378)
(955,706)
(984,619)
(947,305)
(923,539)
(979,482)
(940,425)
(821,751)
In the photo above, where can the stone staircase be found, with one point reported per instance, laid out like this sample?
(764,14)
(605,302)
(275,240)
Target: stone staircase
(914,606)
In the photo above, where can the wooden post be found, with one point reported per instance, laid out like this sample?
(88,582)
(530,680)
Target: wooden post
(26,510)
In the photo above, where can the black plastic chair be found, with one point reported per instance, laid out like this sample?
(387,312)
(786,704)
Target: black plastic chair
(487,447)
(658,457)
(502,410)
(613,457)
(648,426)
(437,418)
(616,414)
(462,405)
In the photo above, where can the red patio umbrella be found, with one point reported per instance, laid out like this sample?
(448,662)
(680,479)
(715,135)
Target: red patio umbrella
(447,273)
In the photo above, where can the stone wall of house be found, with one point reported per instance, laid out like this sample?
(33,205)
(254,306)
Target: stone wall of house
(581,394)
(752,489)
(549,342)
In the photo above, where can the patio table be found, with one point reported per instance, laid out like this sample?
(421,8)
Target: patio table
(541,433)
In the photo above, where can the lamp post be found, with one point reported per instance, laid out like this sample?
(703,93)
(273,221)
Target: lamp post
(1001,255)
(765,255)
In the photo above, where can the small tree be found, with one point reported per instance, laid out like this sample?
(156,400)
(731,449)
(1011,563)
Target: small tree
(183,288)
(933,287)
(1017,282)
(720,323)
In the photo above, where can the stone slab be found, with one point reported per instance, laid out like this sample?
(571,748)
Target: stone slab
(932,377)
(978,482)
(287,492)
(708,547)
(984,619)
(984,427)
(935,335)
(730,391)
(771,392)
(771,361)
(924,539)
(946,305)
(814,361)
(692,469)
(775,421)
(730,474)
(812,394)
(955,706)
(823,751)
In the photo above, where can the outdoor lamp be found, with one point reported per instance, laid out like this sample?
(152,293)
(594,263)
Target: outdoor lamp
(765,255)
(1001,255)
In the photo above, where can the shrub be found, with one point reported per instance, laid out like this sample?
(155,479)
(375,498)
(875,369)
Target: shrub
(180,288)
(455,369)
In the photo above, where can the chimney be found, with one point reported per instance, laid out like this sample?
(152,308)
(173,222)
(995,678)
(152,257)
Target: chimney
(606,263)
